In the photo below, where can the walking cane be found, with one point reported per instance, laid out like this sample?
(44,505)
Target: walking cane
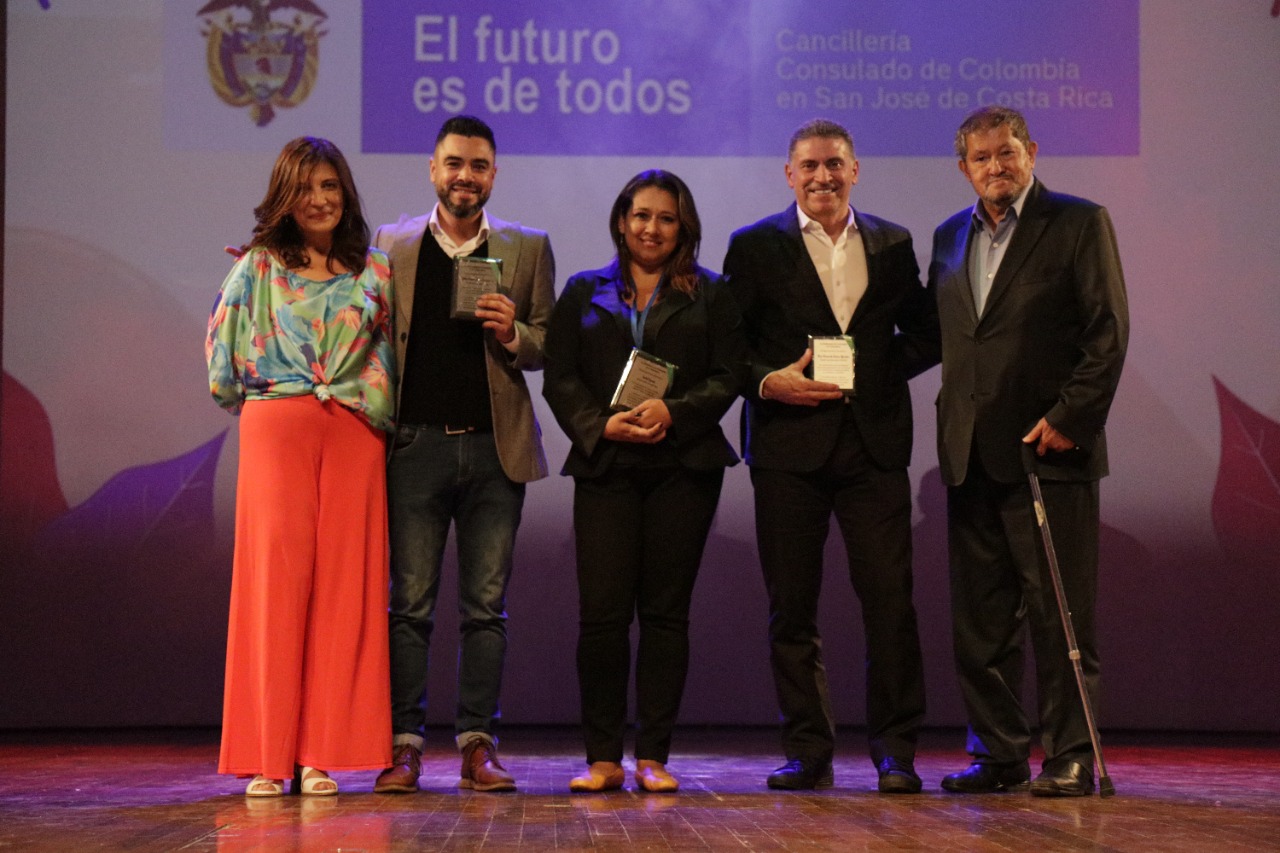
(1105,788)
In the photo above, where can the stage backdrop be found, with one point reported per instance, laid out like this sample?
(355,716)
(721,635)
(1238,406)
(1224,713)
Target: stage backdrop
(140,135)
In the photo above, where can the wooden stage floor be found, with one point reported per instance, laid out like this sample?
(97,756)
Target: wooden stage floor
(157,790)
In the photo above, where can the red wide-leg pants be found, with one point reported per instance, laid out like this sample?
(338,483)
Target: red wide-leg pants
(307,679)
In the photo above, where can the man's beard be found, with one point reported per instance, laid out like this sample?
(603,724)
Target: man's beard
(462,211)
(1005,198)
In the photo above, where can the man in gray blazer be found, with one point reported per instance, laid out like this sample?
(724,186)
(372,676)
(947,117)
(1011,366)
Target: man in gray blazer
(466,443)
(1035,324)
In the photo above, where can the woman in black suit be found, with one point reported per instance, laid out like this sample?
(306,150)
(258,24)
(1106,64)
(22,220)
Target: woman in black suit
(646,479)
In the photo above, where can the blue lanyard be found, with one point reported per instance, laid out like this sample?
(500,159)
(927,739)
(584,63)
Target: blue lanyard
(639,318)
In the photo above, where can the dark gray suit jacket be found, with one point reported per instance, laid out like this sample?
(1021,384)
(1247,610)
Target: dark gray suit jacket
(1050,343)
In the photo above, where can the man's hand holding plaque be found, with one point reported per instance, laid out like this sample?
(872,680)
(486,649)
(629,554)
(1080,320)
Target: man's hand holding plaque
(498,313)
(833,361)
(473,280)
(790,385)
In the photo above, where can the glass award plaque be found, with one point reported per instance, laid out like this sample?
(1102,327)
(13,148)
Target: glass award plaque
(472,278)
(834,361)
(645,377)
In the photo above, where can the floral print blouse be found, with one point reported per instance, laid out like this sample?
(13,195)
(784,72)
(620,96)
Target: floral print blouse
(274,333)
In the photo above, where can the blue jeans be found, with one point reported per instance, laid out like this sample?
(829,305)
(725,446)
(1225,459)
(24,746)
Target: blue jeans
(433,480)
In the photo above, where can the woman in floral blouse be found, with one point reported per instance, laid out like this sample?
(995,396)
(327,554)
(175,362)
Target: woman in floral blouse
(300,345)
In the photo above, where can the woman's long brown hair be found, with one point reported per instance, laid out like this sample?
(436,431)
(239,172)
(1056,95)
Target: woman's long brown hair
(681,269)
(276,230)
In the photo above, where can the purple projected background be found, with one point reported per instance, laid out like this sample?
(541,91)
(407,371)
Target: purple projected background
(725,77)
(126,172)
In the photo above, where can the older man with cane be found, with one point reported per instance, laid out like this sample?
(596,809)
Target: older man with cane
(1035,324)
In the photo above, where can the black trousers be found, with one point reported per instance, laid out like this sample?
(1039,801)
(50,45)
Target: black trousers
(873,510)
(640,534)
(1001,590)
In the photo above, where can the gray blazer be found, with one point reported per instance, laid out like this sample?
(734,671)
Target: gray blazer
(528,277)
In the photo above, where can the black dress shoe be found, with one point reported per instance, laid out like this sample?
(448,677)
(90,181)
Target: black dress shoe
(986,778)
(1063,778)
(800,774)
(898,776)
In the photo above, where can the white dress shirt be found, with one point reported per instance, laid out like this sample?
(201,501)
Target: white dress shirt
(841,264)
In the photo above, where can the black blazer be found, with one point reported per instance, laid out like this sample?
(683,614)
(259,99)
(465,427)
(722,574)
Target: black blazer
(588,343)
(894,329)
(1051,342)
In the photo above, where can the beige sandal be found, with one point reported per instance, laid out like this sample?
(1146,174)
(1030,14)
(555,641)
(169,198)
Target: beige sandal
(261,786)
(313,782)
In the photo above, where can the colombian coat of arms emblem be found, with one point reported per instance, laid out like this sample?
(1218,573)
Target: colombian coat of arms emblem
(262,61)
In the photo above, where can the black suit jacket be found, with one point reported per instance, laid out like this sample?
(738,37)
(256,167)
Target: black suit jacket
(1050,343)
(587,346)
(894,329)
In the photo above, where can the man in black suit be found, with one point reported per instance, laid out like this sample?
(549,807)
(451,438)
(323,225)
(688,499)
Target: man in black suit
(1035,324)
(820,268)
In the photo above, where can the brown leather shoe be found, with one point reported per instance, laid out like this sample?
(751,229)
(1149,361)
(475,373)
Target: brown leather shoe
(402,776)
(481,770)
